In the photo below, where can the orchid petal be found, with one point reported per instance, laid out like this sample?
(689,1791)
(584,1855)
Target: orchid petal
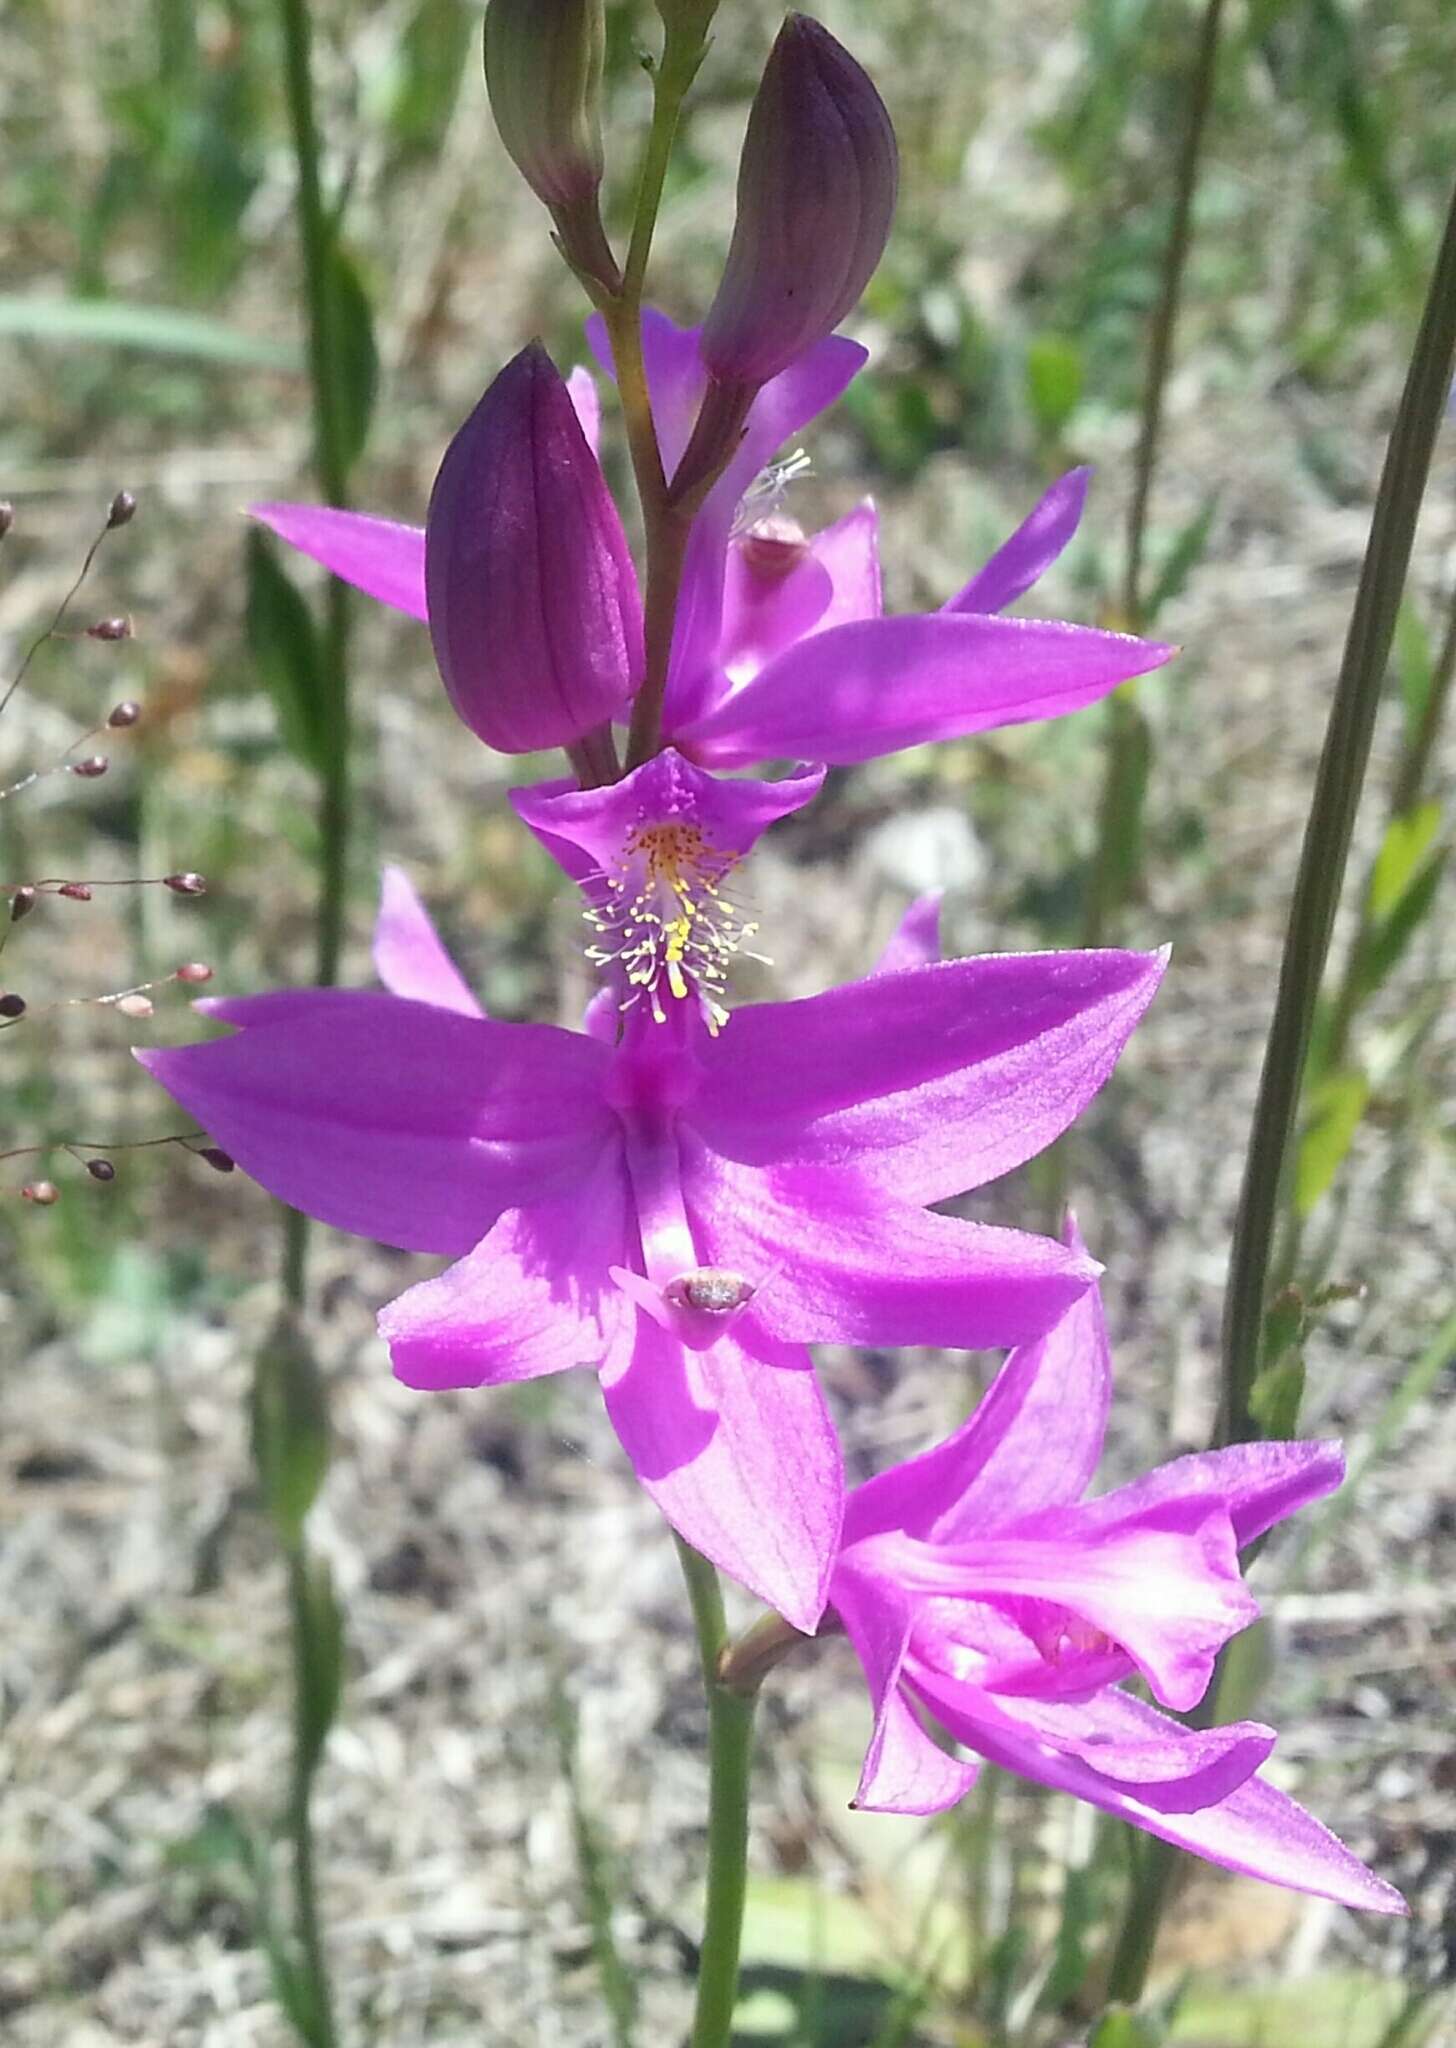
(863,690)
(835,1264)
(1033,1442)
(930,1081)
(1258,1484)
(1031,550)
(409,954)
(915,941)
(378,556)
(532,1298)
(396,1120)
(740,1455)
(905,1769)
(1255,1830)
(835,582)
(586,400)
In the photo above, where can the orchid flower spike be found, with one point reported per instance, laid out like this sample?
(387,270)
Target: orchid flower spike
(681,1211)
(985,1596)
(532,598)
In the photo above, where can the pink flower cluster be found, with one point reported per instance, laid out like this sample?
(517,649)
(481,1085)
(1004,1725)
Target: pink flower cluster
(683,1198)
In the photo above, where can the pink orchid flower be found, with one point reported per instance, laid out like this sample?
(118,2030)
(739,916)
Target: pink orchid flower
(984,1594)
(780,651)
(681,1209)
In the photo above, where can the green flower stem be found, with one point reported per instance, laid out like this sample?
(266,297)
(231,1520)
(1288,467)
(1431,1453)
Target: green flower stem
(730,1750)
(300,1824)
(1338,783)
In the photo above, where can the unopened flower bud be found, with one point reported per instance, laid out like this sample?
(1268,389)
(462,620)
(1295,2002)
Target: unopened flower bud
(816,194)
(193,970)
(75,892)
(22,902)
(122,510)
(135,1006)
(12,1006)
(533,604)
(124,714)
(217,1159)
(101,1169)
(543,72)
(91,767)
(187,884)
(7,517)
(110,629)
(44,1193)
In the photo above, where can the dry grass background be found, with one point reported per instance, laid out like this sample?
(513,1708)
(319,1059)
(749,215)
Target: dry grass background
(490,1549)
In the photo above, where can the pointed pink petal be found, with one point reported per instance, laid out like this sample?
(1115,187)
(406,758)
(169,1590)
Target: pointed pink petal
(927,1082)
(1033,1442)
(409,954)
(742,1458)
(581,389)
(905,1769)
(834,1263)
(1258,1484)
(1031,550)
(860,691)
(1255,1830)
(376,555)
(398,1121)
(915,941)
(533,1298)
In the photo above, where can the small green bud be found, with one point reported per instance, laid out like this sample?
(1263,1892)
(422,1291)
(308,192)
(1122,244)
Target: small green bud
(543,73)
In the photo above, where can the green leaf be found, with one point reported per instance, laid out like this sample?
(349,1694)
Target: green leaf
(1121,2028)
(290,1428)
(1413,663)
(284,644)
(1053,382)
(1386,944)
(432,53)
(1338,1105)
(1406,843)
(321,1665)
(355,370)
(1181,559)
(157,330)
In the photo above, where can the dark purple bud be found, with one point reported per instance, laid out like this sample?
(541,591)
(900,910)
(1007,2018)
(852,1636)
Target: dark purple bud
(543,72)
(12,1006)
(186,884)
(91,767)
(110,629)
(816,194)
(7,517)
(124,714)
(101,1169)
(122,510)
(217,1159)
(22,902)
(44,1193)
(77,892)
(533,604)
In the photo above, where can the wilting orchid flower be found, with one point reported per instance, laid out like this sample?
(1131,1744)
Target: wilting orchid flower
(779,651)
(680,1211)
(982,1591)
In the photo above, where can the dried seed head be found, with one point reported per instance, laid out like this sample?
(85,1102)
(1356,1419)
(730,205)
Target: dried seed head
(186,884)
(136,1006)
(101,1169)
(43,1193)
(91,767)
(121,511)
(124,714)
(7,517)
(12,1005)
(217,1159)
(22,902)
(193,970)
(78,892)
(110,629)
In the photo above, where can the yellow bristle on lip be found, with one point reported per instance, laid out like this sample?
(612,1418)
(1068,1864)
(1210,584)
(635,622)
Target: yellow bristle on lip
(668,919)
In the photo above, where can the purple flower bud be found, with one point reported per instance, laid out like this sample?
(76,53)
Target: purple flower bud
(101,1169)
(7,517)
(533,602)
(543,72)
(121,511)
(816,193)
(185,884)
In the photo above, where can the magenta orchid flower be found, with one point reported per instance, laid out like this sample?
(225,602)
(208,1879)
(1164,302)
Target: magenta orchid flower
(780,651)
(682,1211)
(983,1593)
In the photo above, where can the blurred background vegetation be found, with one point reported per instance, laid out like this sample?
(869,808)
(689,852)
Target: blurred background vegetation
(501,1580)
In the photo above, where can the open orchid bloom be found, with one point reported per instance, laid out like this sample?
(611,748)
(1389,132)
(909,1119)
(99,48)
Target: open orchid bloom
(682,1208)
(982,1591)
(780,651)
